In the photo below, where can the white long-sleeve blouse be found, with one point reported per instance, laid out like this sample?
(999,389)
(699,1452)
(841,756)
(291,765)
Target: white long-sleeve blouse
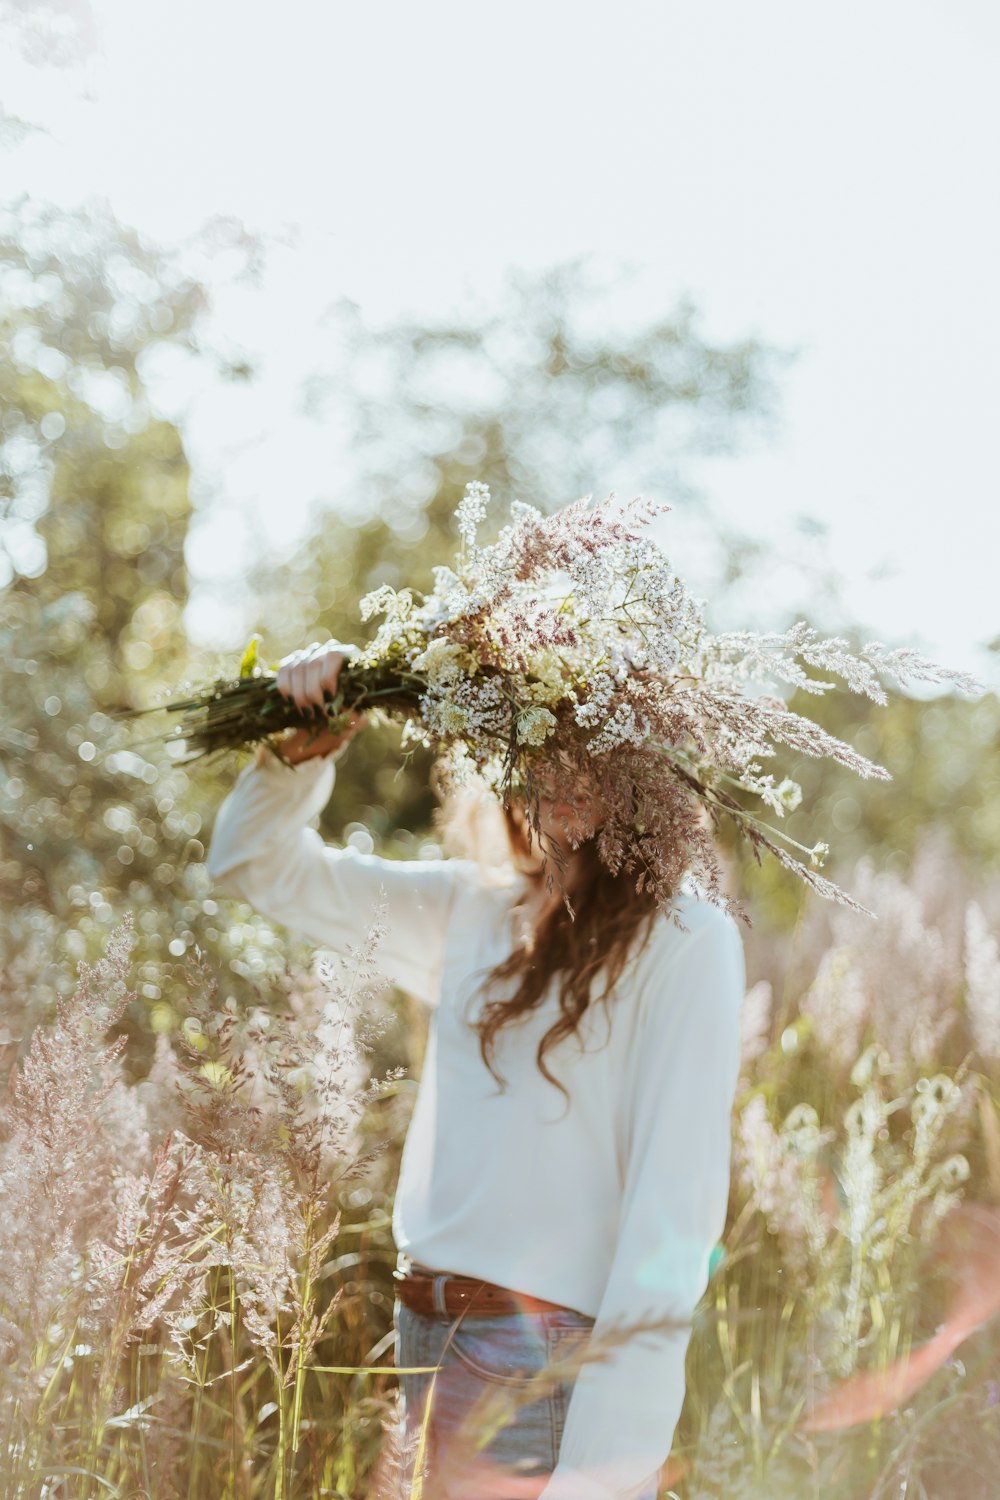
(612,1204)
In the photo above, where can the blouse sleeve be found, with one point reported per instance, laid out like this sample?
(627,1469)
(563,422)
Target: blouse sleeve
(264,850)
(622,1412)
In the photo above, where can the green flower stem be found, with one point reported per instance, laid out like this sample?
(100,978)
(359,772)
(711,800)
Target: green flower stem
(735,812)
(242,711)
(306,1299)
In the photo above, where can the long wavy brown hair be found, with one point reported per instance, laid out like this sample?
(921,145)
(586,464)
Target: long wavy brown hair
(611,922)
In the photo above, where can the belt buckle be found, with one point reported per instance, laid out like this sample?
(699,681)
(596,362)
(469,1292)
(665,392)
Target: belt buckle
(411,1270)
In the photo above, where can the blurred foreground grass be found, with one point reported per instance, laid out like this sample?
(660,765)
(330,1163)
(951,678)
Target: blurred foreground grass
(195,1265)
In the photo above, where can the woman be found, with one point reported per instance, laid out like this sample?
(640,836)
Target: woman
(565,1174)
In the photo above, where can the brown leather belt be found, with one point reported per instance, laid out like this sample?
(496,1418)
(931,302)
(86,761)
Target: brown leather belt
(482,1298)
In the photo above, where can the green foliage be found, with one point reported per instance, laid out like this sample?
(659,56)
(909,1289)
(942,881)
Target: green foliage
(94,510)
(944,757)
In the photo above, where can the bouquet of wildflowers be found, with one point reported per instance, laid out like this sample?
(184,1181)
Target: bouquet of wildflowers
(568,653)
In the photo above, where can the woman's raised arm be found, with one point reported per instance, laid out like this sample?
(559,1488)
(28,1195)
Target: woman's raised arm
(264,850)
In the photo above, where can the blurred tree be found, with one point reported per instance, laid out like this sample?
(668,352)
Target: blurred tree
(540,396)
(94,510)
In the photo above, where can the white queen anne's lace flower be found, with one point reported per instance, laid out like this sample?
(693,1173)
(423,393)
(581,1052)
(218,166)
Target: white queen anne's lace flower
(622,728)
(535,725)
(789,794)
(471,510)
(452,718)
(442,661)
(385,600)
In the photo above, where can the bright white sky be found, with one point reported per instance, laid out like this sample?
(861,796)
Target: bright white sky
(824,179)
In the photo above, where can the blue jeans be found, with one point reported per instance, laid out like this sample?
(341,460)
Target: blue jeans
(490,1401)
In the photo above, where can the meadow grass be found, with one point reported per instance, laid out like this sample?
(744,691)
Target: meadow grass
(195,1279)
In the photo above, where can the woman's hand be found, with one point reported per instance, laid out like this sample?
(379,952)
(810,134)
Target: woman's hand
(309,677)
